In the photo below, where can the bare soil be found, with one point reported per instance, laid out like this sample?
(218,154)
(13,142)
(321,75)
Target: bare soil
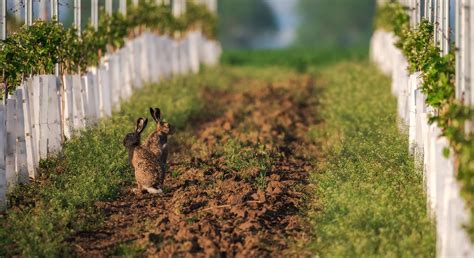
(212,206)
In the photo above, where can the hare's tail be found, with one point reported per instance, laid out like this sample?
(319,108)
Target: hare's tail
(153,190)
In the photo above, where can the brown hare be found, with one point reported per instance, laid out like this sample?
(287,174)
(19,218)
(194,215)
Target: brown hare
(157,142)
(147,168)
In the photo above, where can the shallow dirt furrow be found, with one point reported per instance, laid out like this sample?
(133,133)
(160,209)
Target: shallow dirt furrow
(237,179)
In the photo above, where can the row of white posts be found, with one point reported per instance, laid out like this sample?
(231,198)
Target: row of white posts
(46,109)
(444,199)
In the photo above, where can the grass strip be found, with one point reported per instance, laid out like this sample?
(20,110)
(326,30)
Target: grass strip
(370,198)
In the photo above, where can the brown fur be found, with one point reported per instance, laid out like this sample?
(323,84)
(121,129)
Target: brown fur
(148,170)
(157,142)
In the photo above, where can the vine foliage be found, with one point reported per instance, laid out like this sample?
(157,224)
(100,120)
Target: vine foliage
(37,48)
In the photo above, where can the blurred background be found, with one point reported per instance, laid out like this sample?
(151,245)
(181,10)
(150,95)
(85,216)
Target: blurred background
(263,24)
(260,24)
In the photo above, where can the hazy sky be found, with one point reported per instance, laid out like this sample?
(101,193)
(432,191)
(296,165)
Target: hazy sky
(287,19)
(286,14)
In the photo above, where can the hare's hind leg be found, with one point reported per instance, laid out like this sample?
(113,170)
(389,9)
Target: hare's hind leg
(153,190)
(162,174)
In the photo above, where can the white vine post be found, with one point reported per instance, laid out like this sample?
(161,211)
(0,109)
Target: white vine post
(55,14)
(425,9)
(43,10)
(469,95)
(95,13)
(3,179)
(411,9)
(437,23)
(3,142)
(213,5)
(446,27)
(28,12)
(3,14)
(55,9)
(123,7)
(464,53)
(11,133)
(458,42)
(418,11)
(178,7)
(108,7)
(429,11)
(77,15)
(21,166)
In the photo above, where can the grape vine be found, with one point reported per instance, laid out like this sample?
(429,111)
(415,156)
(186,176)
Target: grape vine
(37,48)
(438,78)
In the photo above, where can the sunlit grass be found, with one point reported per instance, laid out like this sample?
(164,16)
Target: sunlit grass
(127,250)
(241,157)
(297,59)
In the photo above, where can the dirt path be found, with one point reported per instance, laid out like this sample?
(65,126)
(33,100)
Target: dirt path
(238,176)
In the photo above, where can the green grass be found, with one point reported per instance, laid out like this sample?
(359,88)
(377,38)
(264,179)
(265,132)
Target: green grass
(127,250)
(298,59)
(242,157)
(369,200)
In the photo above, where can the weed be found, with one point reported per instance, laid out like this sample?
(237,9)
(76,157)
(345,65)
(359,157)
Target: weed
(192,219)
(261,180)
(240,156)
(175,173)
(127,250)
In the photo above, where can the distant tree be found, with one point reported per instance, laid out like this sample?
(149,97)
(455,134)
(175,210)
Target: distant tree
(241,22)
(335,23)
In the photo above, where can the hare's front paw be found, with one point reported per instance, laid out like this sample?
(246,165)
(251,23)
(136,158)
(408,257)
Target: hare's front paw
(153,190)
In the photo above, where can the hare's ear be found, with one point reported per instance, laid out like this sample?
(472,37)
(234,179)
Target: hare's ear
(141,125)
(156,114)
